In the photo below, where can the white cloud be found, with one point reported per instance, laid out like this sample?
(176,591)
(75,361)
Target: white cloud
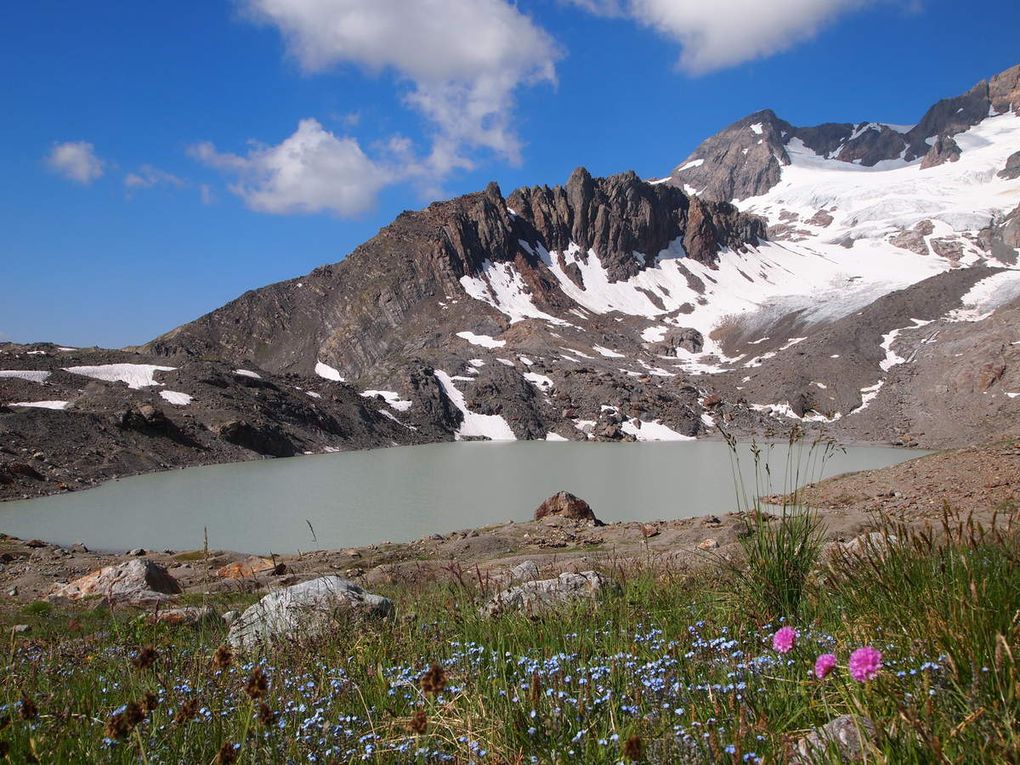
(715,35)
(149,176)
(311,171)
(463,59)
(76,161)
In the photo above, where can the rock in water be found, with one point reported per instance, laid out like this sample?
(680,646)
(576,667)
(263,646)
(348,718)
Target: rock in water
(845,736)
(566,505)
(138,581)
(545,594)
(304,610)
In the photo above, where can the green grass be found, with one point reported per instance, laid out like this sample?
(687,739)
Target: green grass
(681,663)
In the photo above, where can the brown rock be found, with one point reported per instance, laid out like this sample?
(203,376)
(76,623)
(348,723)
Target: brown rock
(566,505)
(250,567)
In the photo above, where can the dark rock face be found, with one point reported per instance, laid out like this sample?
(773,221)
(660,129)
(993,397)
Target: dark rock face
(268,439)
(943,150)
(680,337)
(746,158)
(501,390)
(565,505)
(1012,168)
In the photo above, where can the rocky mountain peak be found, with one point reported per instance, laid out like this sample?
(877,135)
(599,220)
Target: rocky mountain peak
(745,159)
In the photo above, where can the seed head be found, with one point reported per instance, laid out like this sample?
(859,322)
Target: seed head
(258,684)
(227,754)
(145,658)
(434,680)
(223,657)
(187,712)
(419,722)
(29,711)
(150,703)
(634,749)
(267,717)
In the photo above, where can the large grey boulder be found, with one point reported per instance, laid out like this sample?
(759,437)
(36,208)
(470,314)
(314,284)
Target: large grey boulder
(545,594)
(845,737)
(138,581)
(304,610)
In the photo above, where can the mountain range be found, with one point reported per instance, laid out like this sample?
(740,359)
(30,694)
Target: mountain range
(861,280)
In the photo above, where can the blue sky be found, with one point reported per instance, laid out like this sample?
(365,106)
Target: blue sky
(161,158)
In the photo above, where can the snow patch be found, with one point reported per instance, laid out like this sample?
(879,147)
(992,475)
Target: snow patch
(135,375)
(490,426)
(392,398)
(608,352)
(44,404)
(653,431)
(485,341)
(25,374)
(541,382)
(247,373)
(176,398)
(327,372)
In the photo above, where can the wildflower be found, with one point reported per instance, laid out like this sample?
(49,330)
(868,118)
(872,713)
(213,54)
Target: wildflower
(29,711)
(145,658)
(865,663)
(419,722)
(634,749)
(227,754)
(257,685)
(784,639)
(223,657)
(434,680)
(824,664)
(187,711)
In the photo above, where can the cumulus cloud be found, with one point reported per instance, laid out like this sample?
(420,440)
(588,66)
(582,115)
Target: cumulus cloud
(723,33)
(149,176)
(75,160)
(463,60)
(311,171)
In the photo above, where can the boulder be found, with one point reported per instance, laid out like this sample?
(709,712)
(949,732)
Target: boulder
(845,737)
(524,572)
(865,544)
(304,610)
(545,594)
(565,505)
(138,581)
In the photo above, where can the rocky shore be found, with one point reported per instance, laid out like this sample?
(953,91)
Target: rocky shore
(982,482)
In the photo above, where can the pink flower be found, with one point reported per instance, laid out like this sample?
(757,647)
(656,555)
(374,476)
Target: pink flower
(784,639)
(824,664)
(865,663)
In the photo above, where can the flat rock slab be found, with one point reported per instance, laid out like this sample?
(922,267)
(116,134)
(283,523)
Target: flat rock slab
(304,610)
(545,594)
(845,737)
(138,581)
(250,567)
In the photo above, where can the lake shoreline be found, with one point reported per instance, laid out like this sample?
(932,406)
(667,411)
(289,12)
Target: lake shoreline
(983,482)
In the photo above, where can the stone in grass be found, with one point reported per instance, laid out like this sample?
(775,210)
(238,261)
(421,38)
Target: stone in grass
(846,737)
(545,594)
(187,615)
(139,581)
(563,504)
(304,610)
